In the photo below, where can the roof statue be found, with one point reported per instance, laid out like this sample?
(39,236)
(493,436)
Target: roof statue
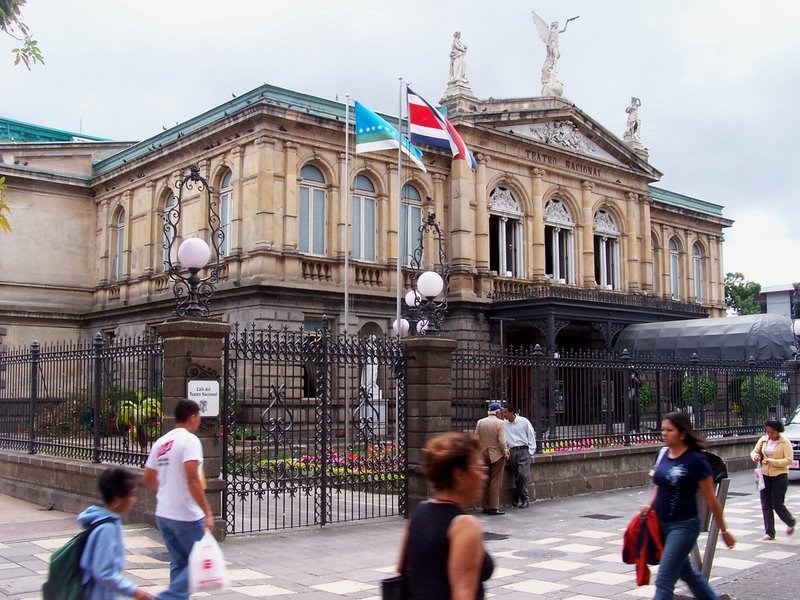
(551,85)
(458,97)
(632,127)
(458,67)
(634,123)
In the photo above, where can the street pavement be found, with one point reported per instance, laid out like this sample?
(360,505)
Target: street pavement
(564,549)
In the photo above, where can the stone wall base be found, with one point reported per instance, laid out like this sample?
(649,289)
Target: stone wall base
(71,485)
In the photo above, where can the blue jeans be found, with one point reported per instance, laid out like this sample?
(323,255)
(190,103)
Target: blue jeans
(179,537)
(679,539)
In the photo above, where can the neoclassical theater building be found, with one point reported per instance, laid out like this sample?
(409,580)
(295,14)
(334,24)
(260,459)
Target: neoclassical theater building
(559,237)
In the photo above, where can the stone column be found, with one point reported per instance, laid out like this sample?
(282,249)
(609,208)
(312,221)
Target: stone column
(428,404)
(633,242)
(587,264)
(647,256)
(192,347)
(482,217)
(666,289)
(290,231)
(154,234)
(537,239)
(238,204)
(264,226)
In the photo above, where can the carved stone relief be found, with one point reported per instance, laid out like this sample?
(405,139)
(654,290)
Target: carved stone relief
(556,213)
(604,223)
(502,200)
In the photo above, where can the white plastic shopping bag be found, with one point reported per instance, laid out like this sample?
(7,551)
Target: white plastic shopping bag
(207,566)
(759,477)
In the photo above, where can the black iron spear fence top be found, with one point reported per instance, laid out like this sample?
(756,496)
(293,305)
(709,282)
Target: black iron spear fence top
(429,310)
(192,292)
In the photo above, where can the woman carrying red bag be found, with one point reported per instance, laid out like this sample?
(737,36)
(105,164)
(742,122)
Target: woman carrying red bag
(679,474)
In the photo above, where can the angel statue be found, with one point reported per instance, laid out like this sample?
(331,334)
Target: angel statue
(458,69)
(551,86)
(634,123)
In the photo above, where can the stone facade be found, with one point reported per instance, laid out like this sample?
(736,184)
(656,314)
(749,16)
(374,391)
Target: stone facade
(559,208)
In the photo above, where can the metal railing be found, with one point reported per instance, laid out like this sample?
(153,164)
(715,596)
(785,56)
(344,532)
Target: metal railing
(89,400)
(584,400)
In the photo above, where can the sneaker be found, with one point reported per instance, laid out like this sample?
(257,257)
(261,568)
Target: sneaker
(724,597)
(767,538)
(790,530)
(524,504)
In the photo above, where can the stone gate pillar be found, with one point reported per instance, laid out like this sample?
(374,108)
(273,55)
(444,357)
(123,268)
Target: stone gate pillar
(193,350)
(428,404)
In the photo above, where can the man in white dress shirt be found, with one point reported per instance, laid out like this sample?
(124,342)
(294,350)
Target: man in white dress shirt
(521,440)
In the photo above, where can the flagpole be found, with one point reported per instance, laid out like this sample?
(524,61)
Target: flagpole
(399,281)
(346,182)
(399,205)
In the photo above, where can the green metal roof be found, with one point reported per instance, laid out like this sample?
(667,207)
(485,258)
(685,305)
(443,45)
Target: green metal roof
(687,202)
(18,131)
(266,94)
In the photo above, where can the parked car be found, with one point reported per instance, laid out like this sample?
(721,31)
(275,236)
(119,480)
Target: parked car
(792,433)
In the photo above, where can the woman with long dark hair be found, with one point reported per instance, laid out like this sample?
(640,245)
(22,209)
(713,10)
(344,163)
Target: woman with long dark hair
(774,453)
(682,470)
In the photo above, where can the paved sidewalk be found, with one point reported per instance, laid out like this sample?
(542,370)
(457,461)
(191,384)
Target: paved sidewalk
(566,549)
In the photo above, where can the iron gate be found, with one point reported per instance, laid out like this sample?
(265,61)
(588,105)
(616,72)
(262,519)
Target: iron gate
(314,428)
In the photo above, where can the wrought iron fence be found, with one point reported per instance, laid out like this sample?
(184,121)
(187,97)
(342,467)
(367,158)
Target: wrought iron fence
(582,400)
(314,428)
(86,400)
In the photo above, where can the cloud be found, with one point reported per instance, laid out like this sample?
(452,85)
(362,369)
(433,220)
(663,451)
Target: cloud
(761,246)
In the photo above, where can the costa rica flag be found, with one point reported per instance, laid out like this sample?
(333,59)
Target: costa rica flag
(428,126)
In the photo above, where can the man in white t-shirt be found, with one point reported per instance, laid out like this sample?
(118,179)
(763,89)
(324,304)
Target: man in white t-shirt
(175,470)
(521,440)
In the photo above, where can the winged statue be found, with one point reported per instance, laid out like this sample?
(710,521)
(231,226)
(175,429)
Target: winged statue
(551,86)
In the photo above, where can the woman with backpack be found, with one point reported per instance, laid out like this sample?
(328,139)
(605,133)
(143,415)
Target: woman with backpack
(104,554)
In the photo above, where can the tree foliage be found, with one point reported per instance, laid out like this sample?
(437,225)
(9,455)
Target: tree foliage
(796,301)
(4,224)
(27,51)
(740,294)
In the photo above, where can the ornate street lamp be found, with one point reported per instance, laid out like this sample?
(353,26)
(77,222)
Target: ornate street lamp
(192,292)
(427,301)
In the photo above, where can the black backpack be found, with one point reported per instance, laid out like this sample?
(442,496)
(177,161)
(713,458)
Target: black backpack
(64,577)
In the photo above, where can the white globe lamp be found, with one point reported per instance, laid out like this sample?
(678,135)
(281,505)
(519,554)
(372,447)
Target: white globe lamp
(430,284)
(194,253)
(401,328)
(412,299)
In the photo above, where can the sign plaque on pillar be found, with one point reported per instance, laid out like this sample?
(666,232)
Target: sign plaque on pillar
(206,393)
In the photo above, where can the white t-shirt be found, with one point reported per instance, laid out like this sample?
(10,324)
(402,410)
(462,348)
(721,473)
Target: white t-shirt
(169,453)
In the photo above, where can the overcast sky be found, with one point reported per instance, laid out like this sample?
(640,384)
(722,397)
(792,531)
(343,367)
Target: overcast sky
(719,80)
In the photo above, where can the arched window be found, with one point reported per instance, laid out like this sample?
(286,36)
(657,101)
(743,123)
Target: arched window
(656,263)
(168,230)
(363,219)
(119,246)
(606,250)
(505,233)
(697,268)
(312,210)
(674,270)
(410,220)
(559,236)
(225,207)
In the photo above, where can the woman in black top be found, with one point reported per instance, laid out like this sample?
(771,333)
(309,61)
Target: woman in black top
(442,555)
(682,470)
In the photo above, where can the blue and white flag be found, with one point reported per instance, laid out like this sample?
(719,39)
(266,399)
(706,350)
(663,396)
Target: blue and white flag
(374,134)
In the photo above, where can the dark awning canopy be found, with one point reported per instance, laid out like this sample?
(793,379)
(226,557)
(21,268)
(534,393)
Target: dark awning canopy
(763,337)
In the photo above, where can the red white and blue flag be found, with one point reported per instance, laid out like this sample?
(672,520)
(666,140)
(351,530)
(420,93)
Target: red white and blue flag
(428,126)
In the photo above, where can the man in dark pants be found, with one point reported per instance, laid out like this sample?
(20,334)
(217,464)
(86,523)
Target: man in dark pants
(492,434)
(521,440)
